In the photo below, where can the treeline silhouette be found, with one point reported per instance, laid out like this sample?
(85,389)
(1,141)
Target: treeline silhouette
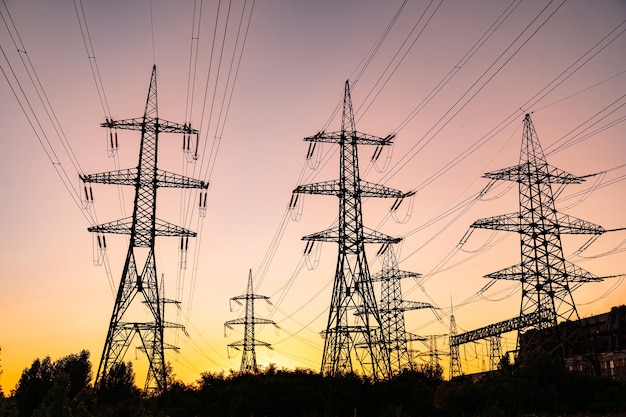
(540,386)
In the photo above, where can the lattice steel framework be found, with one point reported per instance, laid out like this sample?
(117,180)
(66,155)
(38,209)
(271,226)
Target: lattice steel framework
(392,307)
(248,358)
(350,336)
(545,275)
(143,227)
(455,355)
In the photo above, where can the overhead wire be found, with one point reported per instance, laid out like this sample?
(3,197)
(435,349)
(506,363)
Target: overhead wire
(33,119)
(400,60)
(507,60)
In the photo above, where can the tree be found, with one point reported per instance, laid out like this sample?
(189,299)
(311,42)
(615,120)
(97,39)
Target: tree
(33,386)
(53,386)
(118,385)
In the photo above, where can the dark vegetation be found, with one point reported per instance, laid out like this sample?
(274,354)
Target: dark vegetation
(541,387)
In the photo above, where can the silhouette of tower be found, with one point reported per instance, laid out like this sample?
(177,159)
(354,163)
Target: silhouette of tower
(546,276)
(248,359)
(143,227)
(392,308)
(495,351)
(351,336)
(455,356)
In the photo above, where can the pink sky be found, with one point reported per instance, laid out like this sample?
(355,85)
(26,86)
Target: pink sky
(54,301)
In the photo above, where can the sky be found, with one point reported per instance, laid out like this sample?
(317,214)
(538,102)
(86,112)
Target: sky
(452,79)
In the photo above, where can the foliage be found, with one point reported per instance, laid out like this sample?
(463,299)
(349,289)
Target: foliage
(540,386)
(52,389)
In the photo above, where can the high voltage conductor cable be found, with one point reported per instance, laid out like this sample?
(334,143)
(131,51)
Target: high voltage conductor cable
(221,122)
(572,66)
(557,146)
(419,34)
(512,117)
(91,55)
(582,91)
(193,58)
(215,146)
(213,156)
(41,93)
(152,34)
(188,215)
(468,55)
(462,102)
(365,62)
(97,78)
(41,136)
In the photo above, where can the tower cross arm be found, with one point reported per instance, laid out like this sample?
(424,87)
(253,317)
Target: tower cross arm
(358,138)
(122,226)
(249,320)
(150,124)
(414,305)
(509,222)
(242,343)
(572,225)
(369,189)
(173,180)
(523,172)
(394,274)
(250,296)
(119,177)
(369,236)
(324,187)
(163,228)
(572,273)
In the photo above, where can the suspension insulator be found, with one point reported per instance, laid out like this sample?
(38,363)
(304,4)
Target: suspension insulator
(376,153)
(308,248)
(311,150)
(195,152)
(294,200)
(396,204)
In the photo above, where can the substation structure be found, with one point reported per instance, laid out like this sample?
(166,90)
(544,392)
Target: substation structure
(354,329)
(547,278)
(143,227)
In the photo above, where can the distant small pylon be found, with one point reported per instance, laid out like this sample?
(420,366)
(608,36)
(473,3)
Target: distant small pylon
(248,359)
(455,357)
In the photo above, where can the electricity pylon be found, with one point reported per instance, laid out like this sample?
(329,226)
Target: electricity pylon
(455,355)
(248,358)
(546,277)
(143,227)
(354,322)
(392,307)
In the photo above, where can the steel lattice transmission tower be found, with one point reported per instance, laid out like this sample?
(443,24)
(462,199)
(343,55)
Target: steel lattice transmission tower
(143,227)
(248,358)
(546,277)
(392,307)
(455,355)
(354,321)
